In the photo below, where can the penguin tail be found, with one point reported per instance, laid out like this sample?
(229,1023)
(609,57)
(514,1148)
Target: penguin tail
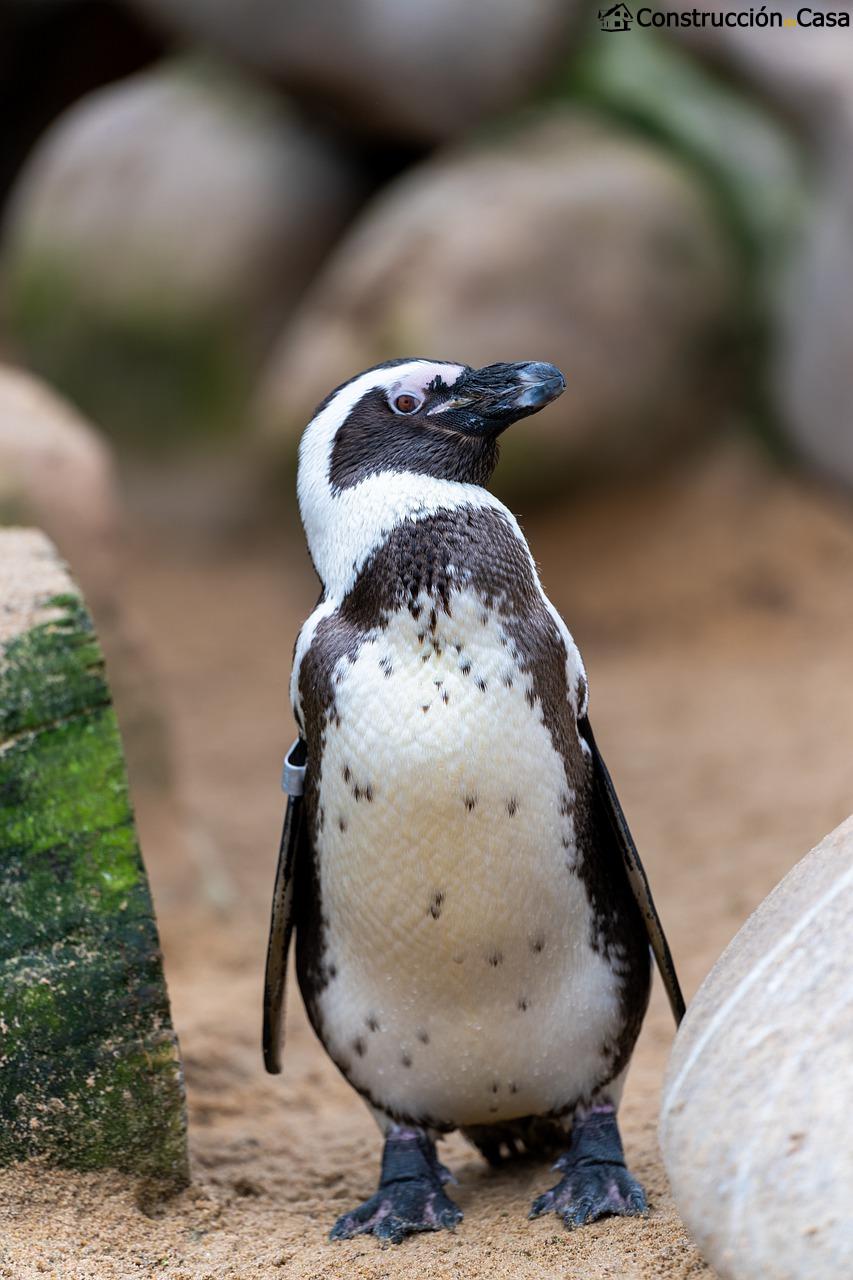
(533,1137)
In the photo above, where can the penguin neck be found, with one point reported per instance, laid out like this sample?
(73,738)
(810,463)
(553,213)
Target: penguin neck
(344,529)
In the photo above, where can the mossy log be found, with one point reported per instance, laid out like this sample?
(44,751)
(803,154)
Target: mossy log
(90,1073)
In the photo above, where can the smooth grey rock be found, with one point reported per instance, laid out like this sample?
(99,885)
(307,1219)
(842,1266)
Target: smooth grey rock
(159,235)
(805,72)
(57,473)
(410,69)
(562,241)
(756,1125)
(812,367)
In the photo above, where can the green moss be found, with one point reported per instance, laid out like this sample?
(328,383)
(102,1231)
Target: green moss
(89,1069)
(152,373)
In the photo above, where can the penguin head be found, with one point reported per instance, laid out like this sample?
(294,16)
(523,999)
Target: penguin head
(396,436)
(426,417)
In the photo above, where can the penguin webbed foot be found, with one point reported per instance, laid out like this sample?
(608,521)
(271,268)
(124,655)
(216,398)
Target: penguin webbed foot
(410,1196)
(596,1182)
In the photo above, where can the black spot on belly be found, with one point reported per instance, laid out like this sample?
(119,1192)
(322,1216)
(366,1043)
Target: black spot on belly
(496,958)
(537,944)
(470,803)
(425,709)
(481,685)
(512,806)
(445,697)
(524,1004)
(495,1086)
(415,611)
(347,774)
(436,904)
(423,1036)
(508,681)
(331,971)
(372,1022)
(405,1060)
(386,665)
(359,1046)
(433,619)
(342,824)
(513,1087)
(465,668)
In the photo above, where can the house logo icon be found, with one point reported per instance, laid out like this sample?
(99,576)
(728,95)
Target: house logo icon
(617,18)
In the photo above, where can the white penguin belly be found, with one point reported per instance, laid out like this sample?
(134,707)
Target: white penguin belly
(465,988)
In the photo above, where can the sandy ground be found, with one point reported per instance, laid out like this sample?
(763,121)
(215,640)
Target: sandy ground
(715,614)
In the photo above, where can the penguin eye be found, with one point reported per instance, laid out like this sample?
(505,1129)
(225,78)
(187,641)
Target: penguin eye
(405,402)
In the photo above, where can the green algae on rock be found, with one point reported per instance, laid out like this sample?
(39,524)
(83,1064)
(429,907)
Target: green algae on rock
(89,1069)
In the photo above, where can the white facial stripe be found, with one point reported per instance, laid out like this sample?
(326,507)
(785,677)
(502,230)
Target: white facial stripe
(343,528)
(418,381)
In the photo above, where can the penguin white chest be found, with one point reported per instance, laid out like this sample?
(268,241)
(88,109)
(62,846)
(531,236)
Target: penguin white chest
(464,986)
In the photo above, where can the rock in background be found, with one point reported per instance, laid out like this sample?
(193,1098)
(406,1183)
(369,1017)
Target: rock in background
(565,240)
(755,1128)
(807,76)
(401,69)
(57,473)
(158,235)
(52,52)
(89,1068)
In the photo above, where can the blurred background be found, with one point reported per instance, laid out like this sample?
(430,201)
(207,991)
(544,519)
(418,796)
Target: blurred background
(211,213)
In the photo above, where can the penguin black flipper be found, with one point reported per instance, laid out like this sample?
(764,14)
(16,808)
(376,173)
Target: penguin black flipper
(607,799)
(291,855)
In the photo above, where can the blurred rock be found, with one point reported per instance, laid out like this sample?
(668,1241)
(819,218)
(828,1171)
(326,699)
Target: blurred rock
(54,51)
(813,370)
(57,474)
(756,1133)
(750,161)
(807,73)
(157,237)
(563,241)
(416,69)
(91,1072)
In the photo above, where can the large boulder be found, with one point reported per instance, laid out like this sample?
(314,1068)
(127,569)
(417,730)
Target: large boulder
(53,51)
(806,73)
(160,233)
(746,155)
(812,367)
(563,240)
(421,69)
(89,1068)
(57,473)
(756,1130)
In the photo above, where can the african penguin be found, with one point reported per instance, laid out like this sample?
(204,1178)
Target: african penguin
(472,921)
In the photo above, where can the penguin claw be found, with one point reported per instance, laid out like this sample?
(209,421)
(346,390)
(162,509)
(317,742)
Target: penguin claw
(595,1183)
(410,1196)
(586,1194)
(399,1210)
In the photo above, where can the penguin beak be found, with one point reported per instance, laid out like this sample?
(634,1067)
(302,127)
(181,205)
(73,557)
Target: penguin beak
(489,400)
